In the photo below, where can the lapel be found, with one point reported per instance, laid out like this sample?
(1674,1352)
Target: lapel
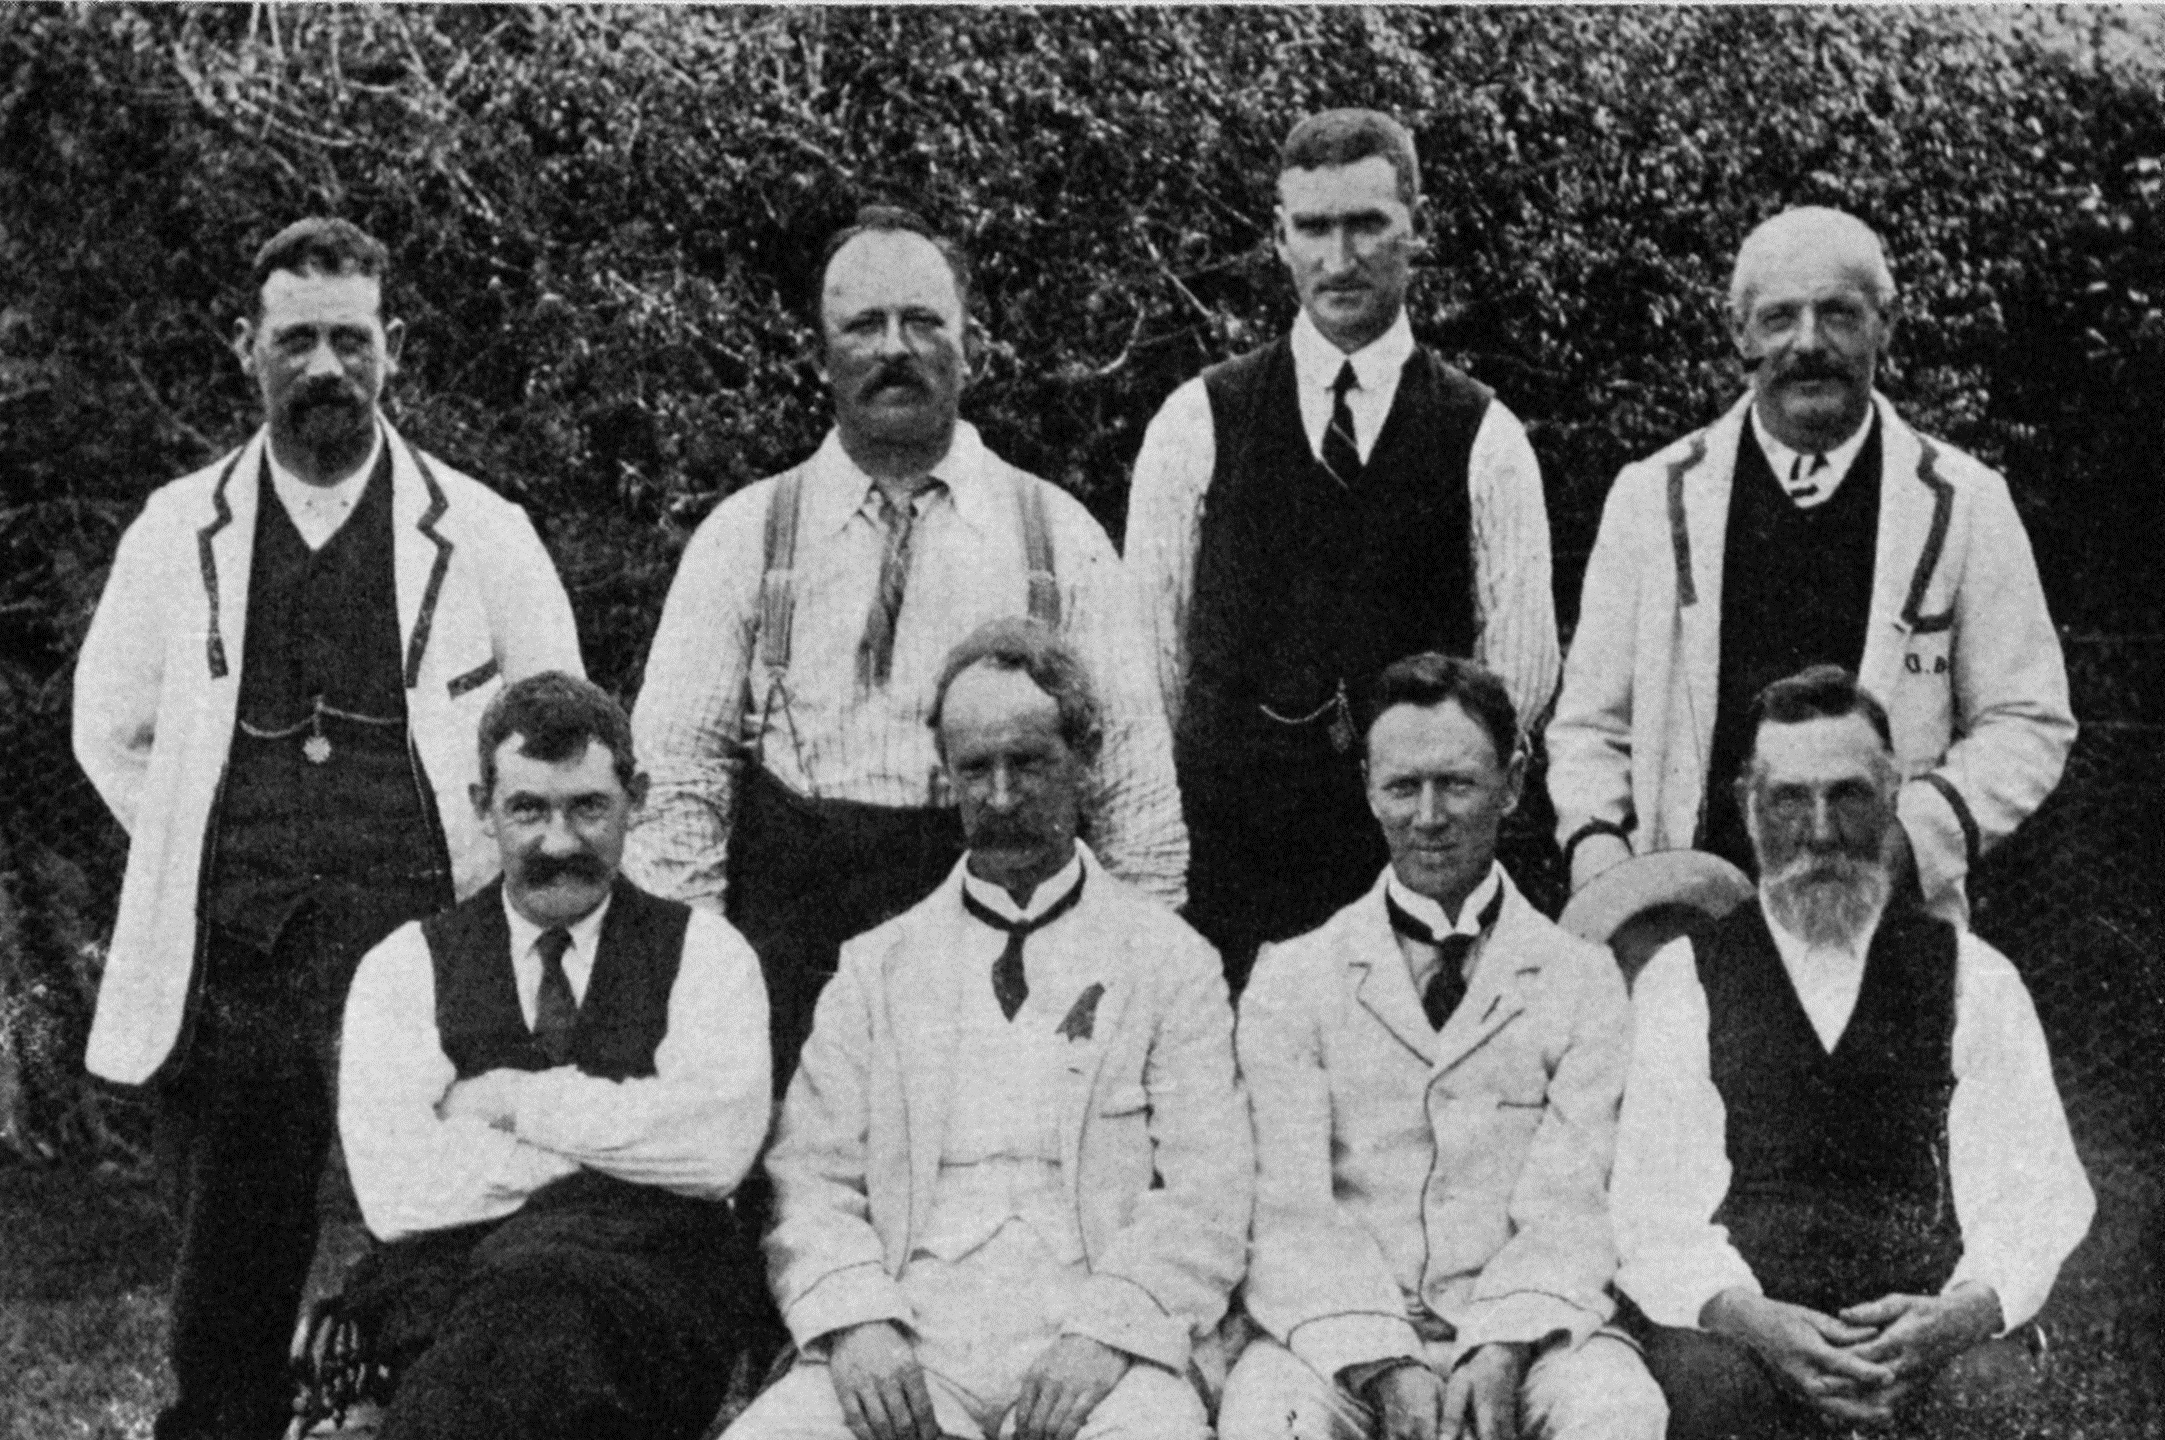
(225,536)
(1915,506)
(922,1001)
(1699,490)
(1503,976)
(1382,983)
(1086,1059)
(421,554)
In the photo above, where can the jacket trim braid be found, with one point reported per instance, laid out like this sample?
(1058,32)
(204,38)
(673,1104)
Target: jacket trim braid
(437,505)
(214,645)
(1589,830)
(1943,505)
(1972,838)
(473,679)
(1679,535)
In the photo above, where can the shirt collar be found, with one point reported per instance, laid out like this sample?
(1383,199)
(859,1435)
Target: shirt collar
(1049,892)
(1429,913)
(294,491)
(1316,361)
(838,489)
(1781,457)
(585,931)
(1797,952)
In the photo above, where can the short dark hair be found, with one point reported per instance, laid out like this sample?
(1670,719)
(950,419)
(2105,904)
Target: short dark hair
(1822,692)
(890,218)
(1016,642)
(1346,137)
(319,243)
(556,716)
(1430,678)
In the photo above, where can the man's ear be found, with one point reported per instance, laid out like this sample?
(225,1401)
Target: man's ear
(637,788)
(1515,779)
(394,342)
(244,344)
(1278,234)
(478,793)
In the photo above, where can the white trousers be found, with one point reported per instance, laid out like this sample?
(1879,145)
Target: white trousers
(1598,1391)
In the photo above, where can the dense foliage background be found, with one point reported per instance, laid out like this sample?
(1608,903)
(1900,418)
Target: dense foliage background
(605,222)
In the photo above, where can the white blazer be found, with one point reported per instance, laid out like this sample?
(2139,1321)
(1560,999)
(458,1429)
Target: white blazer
(1958,647)
(158,682)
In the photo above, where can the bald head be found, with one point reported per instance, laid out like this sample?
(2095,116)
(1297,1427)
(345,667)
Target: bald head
(1818,234)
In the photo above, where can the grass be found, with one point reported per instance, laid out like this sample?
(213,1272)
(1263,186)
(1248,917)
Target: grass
(85,1256)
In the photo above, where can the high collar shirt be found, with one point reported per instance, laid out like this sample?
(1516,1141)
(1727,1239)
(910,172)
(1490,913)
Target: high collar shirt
(693,1127)
(2020,1194)
(711,704)
(1376,365)
(526,964)
(1507,520)
(318,511)
(1806,489)
(1422,960)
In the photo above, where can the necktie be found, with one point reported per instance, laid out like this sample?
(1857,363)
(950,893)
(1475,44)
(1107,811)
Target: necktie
(1448,985)
(1008,985)
(1801,485)
(555,1011)
(876,652)
(1341,452)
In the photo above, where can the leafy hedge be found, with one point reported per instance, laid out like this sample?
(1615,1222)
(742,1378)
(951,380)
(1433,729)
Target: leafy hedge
(605,225)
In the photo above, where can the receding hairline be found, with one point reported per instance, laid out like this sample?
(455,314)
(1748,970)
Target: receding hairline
(955,281)
(1812,229)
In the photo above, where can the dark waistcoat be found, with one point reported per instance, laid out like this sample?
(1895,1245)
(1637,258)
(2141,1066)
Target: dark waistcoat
(622,1017)
(1796,590)
(1839,1188)
(356,830)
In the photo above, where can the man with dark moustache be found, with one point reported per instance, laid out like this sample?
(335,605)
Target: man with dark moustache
(1305,514)
(1433,1076)
(1809,525)
(545,1095)
(1013,1171)
(277,699)
(796,786)
(1844,1180)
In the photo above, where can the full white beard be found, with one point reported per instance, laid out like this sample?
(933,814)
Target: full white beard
(1827,900)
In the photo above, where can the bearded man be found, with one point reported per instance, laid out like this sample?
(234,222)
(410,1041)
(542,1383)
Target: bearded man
(1844,1182)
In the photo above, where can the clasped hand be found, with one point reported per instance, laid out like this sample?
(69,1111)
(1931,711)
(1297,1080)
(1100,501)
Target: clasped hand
(1860,1365)
(1479,1402)
(491,1098)
(882,1386)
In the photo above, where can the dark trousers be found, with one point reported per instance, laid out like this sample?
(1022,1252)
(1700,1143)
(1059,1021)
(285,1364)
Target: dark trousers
(243,1131)
(1718,1389)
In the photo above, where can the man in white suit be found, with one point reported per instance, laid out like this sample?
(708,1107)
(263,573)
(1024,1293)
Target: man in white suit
(278,699)
(1434,1076)
(1808,526)
(1013,1172)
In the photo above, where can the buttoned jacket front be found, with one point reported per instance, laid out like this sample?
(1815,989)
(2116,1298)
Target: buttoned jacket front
(157,687)
(1154,1144)
(1958,647)
(1408,1175)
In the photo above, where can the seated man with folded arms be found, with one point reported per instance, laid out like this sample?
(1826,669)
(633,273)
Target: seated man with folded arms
(1434,1077)
(545,1096)
(1844,1180)
(1012,1176)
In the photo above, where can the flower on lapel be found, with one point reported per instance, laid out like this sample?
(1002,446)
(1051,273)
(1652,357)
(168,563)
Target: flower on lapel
(1082,1016)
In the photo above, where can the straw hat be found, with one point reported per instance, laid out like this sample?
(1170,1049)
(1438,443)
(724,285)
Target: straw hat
(1641,905)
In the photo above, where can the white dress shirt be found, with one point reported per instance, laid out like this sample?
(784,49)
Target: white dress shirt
(1508,522)
(318,511)
(2020,1194)
(1807,488)
(1421,960)
(708,704)
(693,1127)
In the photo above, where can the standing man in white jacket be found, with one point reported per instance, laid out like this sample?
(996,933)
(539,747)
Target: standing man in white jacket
(278,699)
(1808,526)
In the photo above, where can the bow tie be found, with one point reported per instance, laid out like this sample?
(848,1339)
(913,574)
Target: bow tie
(1447,987)
(1008,985)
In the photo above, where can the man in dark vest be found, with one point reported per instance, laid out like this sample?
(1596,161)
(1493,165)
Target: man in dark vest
(545,1095)
(1307,513)
(1808,526)
(277,698)
(1844,1181)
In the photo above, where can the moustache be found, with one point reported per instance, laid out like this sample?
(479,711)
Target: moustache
(324,395)
(899,373)
(548,869)
(1812,368)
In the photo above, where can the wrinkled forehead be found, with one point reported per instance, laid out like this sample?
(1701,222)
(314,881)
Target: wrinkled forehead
(889,270)
(1367,185)
(1819,752)
(315,296)
(591,770)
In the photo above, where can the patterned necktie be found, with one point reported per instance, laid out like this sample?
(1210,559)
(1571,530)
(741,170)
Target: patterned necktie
(1802,488)
(876,652)
(1447,987)
(1341,452)
(555,1011)
(1008,985)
